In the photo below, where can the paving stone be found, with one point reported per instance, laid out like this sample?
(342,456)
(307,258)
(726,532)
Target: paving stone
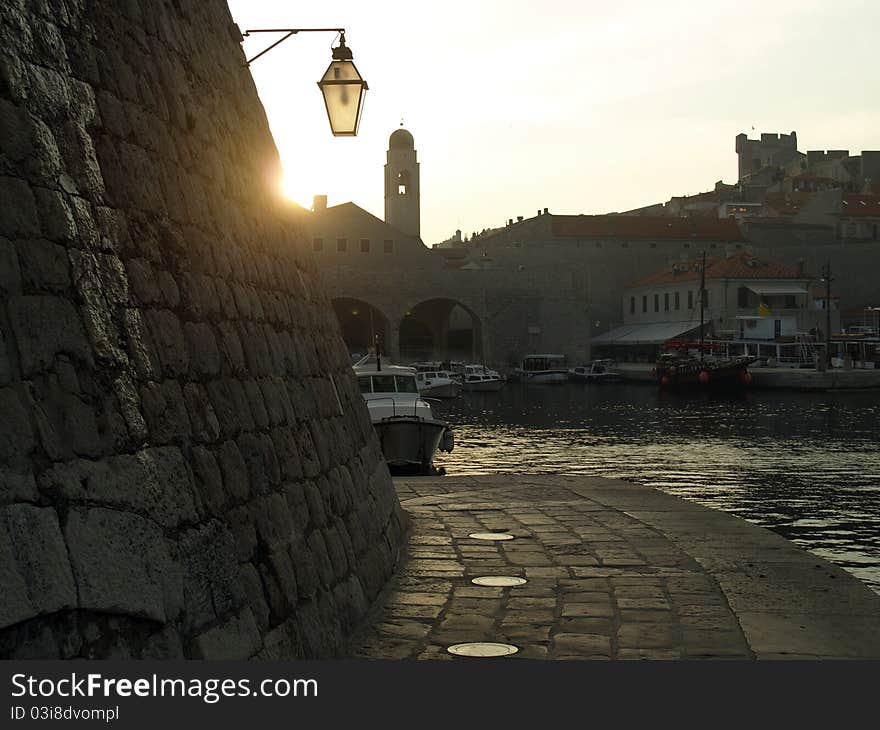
(646,635)
(581,645)
(597,610)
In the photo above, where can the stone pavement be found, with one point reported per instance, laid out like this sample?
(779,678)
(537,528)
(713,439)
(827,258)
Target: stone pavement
(615,571)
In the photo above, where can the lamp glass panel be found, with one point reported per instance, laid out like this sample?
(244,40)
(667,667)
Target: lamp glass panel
(343,90)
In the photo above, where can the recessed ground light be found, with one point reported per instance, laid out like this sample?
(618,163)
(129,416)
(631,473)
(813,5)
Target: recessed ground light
(491,536)
(499,581)
(482,649)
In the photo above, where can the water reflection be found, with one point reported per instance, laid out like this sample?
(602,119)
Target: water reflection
(805,465)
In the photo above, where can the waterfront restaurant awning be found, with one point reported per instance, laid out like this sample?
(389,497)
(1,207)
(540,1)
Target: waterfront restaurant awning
(645,334)
(778,287)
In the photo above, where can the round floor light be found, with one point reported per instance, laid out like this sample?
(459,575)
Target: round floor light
(499,581)
(483,649)
(491,536)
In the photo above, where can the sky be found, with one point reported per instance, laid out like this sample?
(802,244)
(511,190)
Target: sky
(579,107)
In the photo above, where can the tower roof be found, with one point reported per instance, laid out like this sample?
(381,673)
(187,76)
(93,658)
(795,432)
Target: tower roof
(401,139)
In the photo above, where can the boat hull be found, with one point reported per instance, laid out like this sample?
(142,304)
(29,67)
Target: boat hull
(706,375)
(409,442)
(446,390)
(595,378)
(484,386)
(545,377)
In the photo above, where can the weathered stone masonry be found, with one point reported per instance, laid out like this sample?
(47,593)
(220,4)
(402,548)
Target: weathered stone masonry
(187,468)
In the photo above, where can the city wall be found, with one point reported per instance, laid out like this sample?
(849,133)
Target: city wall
(187,468)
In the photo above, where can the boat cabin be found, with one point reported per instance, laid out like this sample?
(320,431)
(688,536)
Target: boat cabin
(541,363)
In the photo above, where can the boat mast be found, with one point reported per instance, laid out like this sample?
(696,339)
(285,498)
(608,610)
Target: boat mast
(702,302)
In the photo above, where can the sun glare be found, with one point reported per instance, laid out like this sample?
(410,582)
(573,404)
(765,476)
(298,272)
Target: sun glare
(297,191)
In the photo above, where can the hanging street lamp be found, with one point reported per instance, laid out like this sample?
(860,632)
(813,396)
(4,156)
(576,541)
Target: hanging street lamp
(342,85)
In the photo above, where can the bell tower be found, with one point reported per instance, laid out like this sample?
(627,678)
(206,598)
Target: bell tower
(402,183)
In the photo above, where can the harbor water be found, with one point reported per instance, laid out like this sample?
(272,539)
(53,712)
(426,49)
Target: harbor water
(806,465)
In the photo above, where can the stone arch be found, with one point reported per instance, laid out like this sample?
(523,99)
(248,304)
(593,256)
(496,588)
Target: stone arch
(363,324)
(440,328)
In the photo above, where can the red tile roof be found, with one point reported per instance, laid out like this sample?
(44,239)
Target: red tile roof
(636,227)
(860,205)
(741,266)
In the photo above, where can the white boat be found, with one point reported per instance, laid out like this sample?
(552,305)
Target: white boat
(408,431)
(594,371)
(542,369)
(437,384)
(479,378)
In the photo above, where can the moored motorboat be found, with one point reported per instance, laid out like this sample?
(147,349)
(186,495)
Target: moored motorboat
(437,384)
(544,369)
(409,433)
(595,371)
(479,378)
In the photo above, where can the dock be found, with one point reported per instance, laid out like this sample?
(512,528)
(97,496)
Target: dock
(613,570)
(765,378)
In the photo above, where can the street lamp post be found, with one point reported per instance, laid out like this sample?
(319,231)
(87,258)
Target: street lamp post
(826,277)
(342,85)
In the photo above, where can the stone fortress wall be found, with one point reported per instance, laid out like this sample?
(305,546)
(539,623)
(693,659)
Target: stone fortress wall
(187,468)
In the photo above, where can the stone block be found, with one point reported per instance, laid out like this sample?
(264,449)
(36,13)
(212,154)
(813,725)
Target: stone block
(141,350)
(44,266)
(240,522)
(288,454)
(122,565)
(56,215)
(351,603)
(34,568)
(308,455)
(255,399)
(315,503)
(168,287)
(167,336)
(318,548)
(165,412)
(204,422)
(294,492)
(67,422)
(251,448)
(48,90)
(10,272)
(154,482)
(44,327)
(204,355)
(17,439)
(236,483)
(18,209)
(224,407)
(81,161)
(237,638)
(336,552)
(319,627)
(212,588)
(282,570)
(15,137)
(143,281)
(307,580)
(208,480)
(253,588)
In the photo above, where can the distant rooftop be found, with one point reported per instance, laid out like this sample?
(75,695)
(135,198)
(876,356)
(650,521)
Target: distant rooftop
(635,227)
(741,266)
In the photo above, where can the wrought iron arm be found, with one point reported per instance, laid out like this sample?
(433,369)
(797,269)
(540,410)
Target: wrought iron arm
(289,32)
